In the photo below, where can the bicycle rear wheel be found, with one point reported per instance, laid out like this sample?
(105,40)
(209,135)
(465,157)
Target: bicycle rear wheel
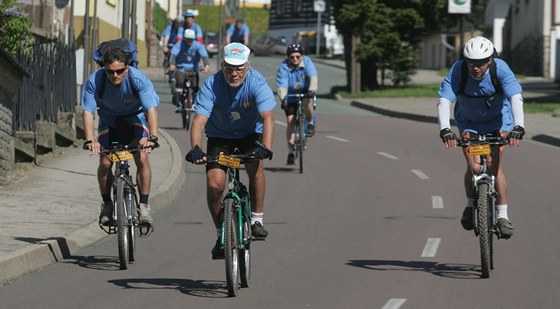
(231,248)
(122,224)
(484,229)
(301,141)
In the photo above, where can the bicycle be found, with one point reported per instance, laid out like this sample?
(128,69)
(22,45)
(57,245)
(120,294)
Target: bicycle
(484,211)
(186,100)
(236,236)
(125,221)
(300,129)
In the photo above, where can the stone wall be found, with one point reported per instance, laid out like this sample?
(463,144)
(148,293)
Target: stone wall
(6,135)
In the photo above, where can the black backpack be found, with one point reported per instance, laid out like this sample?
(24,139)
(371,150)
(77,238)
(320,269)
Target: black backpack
(132,60)
(493,77)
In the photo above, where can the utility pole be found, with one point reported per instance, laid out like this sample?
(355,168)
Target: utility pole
(86,43)
(126,19)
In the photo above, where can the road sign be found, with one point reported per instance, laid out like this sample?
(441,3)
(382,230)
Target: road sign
(319,6)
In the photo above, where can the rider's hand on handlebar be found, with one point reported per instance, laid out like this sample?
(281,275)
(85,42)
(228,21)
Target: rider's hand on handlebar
(93,146)
(284,104)
(196,155)
(448,138)
(262,153)
(310,93)
(515,135)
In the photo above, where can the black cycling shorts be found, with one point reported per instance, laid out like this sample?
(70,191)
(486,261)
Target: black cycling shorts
(216,145)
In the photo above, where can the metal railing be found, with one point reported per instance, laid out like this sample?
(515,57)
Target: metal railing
(51,88)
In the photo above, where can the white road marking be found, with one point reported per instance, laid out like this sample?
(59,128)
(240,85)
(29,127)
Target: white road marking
(386,155)
(394,303)
(420,174)
(431,247)
(338,139)
(280,123)
(437,202)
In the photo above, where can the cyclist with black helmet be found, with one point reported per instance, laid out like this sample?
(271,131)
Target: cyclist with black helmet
(482,106)
(296,74)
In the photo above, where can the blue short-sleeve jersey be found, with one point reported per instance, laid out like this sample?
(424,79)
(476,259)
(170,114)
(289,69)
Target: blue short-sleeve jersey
(118,100)
(187,58)
(234,113)
(238,35)
(478,110)
(195,27)
(295,79)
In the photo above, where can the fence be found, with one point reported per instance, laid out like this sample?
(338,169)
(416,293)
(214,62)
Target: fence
(51,88)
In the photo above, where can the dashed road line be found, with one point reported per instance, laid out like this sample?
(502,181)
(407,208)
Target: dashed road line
(280,123)
(437,202)
(338,139)
(394,303)
(386,155)
(420,174)
(431,247)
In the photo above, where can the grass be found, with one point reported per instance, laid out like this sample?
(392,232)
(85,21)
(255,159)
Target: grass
(430,90)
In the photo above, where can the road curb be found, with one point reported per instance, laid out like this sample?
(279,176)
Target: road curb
(49,251)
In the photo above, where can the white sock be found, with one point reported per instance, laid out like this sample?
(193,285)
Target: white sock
(470,202)
(502,211)
(256,217)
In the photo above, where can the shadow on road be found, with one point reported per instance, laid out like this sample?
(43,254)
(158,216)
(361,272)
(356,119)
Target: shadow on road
(455,271)
(200,288)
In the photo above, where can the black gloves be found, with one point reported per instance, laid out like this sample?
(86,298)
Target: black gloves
(195,154)
(517,132)
(447,135)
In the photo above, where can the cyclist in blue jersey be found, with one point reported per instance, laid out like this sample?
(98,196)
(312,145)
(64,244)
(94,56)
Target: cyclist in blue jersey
(125,101)
(190,24)
(185,59)
(234,109)
(296,74)
(482,107)
(238,32)
(171,33)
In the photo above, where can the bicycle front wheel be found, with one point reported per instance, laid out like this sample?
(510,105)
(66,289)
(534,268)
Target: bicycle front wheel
(484,229)
(300,142)
(132,206)
(189,110)
(122,224)
(245,251)
(231,248)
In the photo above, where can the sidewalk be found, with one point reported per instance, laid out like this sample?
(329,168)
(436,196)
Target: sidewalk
(53,211)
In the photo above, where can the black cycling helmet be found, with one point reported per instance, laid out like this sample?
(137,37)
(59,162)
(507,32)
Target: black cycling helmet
(294,48)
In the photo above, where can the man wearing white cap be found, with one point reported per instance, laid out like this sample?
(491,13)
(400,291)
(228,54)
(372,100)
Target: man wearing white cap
(234,109)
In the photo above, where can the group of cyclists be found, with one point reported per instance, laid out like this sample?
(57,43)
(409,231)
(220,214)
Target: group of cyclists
(234,108)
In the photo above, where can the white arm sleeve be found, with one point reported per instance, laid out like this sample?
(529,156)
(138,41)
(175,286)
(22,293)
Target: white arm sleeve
(444,113)
(517,108)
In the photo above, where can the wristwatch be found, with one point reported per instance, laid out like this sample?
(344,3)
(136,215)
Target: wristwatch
(153,138)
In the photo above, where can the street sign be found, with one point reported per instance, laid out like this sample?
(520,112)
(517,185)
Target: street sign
(459,7)
(319,6)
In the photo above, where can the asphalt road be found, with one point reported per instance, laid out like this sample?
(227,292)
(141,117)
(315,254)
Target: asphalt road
(373,222)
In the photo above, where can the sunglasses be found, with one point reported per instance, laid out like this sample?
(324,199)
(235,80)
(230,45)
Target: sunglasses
(229,69)
(477,63)
(295,57)
(112,72)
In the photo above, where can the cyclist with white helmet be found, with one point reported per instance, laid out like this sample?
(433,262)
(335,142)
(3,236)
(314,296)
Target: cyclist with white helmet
(171,33)
(487,100)
(296,74)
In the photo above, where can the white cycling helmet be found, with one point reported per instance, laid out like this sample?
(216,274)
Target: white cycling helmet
(179,19)
(478,48)
(189,34)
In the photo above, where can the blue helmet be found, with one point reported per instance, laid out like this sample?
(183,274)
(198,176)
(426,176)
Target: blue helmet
(188,14)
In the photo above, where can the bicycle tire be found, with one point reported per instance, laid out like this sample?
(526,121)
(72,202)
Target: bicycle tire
(122,224)
(245,252)
(301,137)
(188,111)
(231,248)
(484,229)
(131,230)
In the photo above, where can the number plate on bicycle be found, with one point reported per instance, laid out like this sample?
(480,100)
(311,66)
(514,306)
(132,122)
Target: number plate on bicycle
(121,156)
(477,150)
(228,161)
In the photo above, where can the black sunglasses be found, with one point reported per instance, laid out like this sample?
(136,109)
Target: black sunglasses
(112,72)
(478,63)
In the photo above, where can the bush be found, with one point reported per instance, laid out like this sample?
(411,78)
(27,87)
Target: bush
(15,28)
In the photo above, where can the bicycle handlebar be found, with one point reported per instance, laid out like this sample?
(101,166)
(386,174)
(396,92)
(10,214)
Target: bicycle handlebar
(242,157)
(482,139)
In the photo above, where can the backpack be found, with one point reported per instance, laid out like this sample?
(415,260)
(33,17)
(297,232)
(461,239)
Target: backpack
(493,76)
(131,60)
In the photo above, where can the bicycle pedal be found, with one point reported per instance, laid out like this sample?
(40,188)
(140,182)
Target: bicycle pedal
(109,229)
(256,238)
(145,229)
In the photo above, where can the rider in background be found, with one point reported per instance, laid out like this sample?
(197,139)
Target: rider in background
(125,116)
(185,57)
(296,74)
(190,24)
(482,109)
(170,34)
(238,32)
(234,109)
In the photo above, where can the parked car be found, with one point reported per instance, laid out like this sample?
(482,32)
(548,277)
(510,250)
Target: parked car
(211,43)
(267,46)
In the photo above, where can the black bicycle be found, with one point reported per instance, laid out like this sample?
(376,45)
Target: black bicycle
(125,221)
(300,129)
(484,211)
(186,100)
(236,237)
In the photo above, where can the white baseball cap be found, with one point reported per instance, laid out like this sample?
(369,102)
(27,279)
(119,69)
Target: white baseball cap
(189,34)
(236,54)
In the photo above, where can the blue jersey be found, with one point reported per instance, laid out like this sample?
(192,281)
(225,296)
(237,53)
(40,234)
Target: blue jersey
(118,100)
(234,113)
(187,58)
(172,32)
(195,27)
(480,111)
(295,79)
(238,35)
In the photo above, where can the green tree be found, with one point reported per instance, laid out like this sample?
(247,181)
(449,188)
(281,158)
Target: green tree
(15,28)
(389,34)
